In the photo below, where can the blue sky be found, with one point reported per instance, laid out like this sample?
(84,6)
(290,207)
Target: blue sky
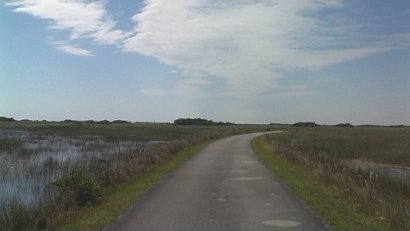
(246,61)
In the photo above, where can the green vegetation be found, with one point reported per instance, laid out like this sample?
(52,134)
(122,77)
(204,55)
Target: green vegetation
(385,145)
(82,177)
(305,124)
(199,121)
(85,188)
(116,199)
(130,131)
(347,125)
(2,118)
(336,207)
(317,163)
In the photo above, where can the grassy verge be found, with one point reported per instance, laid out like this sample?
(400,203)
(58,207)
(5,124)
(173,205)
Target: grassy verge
(336,207)
(116,199)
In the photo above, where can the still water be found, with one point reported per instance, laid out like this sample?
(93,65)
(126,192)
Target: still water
(29,162)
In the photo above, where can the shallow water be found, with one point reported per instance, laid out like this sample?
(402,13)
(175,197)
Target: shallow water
(33,161)
(395,172)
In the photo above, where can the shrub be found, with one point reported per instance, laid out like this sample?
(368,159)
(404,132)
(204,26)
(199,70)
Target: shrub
(305,124)
(85,188)
(2,118)
(348,125)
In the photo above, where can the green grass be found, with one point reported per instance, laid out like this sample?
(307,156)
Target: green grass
(116,199)
(336,207)
(132,131)
(109,172)
(384,145)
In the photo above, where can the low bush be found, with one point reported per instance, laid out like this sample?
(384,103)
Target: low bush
(84,187)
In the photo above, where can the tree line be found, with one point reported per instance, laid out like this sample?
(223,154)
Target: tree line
(199,121)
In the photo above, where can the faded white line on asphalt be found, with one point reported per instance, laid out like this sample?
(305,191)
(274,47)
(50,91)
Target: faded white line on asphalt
(250,161)
(239,171)
(274,195)
(281,223)
(248,178)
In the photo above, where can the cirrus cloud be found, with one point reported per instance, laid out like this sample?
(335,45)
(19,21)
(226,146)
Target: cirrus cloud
(82,18)
(152,92)
(71,49)
(248,43)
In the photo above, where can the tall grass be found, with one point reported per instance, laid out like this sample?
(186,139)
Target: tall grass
(386,145)
(131,131)
(52,193)
(326,151)
(49,203)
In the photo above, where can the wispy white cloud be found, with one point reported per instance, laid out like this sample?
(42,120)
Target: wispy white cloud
(82,18)
(248,43)
(191,88)
(293,92)
(173,71)
(74,50)
(152,92)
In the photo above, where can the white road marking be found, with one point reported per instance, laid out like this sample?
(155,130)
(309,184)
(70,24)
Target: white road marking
(248,178)
(250,161)
(281,223)
(239,171)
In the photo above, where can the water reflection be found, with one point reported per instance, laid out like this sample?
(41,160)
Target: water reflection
(29,161)
(398,173)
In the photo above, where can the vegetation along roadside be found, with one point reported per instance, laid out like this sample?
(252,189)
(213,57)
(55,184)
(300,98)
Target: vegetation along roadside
(116,199)
(346,198)
(52,171)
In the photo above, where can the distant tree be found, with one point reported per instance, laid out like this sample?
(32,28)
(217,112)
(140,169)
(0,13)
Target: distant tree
(190,121)
(120,122)
(398,126)
(305,124)
(6,119)
(224,123)
(104,122)
(348,125)
(278,124)
(198,121)
(369,125)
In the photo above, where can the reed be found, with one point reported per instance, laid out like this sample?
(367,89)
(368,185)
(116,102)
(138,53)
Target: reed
(327,152)
(37,158)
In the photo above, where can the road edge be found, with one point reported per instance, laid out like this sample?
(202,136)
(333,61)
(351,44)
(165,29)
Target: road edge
(331,204)
(116,200)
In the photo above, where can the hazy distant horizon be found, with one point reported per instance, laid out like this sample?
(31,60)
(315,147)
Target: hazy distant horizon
(269,61)
(167,122)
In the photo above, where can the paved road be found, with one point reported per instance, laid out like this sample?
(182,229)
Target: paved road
(224,187)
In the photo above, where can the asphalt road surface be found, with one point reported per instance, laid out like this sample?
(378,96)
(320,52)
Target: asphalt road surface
(224,187)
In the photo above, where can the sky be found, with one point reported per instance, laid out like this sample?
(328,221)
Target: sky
(243,61)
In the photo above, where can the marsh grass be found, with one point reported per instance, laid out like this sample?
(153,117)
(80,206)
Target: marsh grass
(386,145)
(119,197)
(325,152)
(131,131)
(34,155)
(336,207)
(47,190)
